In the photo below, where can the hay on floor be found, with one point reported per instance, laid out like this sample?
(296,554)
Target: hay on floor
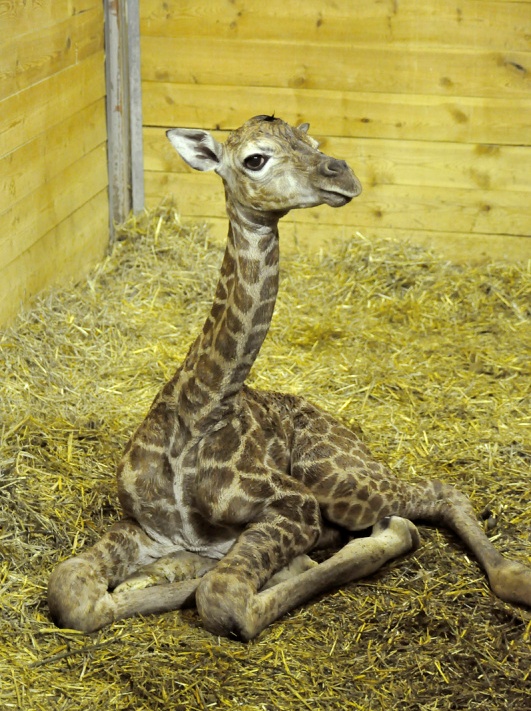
(432,360)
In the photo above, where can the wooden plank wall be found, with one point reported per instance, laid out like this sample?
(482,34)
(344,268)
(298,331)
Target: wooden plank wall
(429,101)
(53,165)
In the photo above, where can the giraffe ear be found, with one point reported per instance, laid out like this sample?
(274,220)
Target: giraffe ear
(196,147)
(304,127)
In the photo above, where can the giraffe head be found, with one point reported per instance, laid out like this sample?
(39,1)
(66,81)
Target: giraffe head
(268,166)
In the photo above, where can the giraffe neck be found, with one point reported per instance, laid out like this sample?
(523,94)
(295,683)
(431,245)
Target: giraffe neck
(221,357)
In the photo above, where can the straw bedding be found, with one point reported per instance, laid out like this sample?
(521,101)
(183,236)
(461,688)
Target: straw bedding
(432,360)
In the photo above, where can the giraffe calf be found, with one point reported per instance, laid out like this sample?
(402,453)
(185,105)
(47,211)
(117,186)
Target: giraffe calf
(223,486)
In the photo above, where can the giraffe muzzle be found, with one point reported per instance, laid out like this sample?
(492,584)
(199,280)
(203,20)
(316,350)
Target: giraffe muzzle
(340,185)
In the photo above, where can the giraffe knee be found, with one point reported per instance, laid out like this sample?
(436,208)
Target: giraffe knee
(77,598)
(223,603)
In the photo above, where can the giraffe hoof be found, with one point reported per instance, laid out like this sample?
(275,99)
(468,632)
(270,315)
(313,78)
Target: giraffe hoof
(297,566)
(140,582)
(402,530)
(171,568)
(511,582)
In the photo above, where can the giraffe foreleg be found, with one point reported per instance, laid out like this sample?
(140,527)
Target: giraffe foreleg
(79,594)
(229,604)
(296,567)
(283,532)
(328,538)
(390,538)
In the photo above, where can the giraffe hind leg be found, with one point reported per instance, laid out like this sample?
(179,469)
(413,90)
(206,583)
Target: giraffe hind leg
(297,566)
(171,568)
(508,579)
(354,491)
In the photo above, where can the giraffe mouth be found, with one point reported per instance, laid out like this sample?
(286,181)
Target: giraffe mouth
(334,198)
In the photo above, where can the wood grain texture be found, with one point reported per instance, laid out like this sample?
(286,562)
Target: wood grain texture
(34,163)
(400,206)
(26,221)
(488,24)
(382,161)
(338,66)
(31,57)
(41,106)
(342,113)
(64,253)
(17,17)
(54,214)
(429,102)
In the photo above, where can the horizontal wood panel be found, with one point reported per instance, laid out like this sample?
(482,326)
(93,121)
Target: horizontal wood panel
(454,246)
(434,164)
(29,58)
(488,24)
(429,102)
(401,207)
(470,249)
(45,104)
(384,162)
(336,66)
(64,253)
(53,146)
(37,161)
(22,225)
(20,16)
(341,113)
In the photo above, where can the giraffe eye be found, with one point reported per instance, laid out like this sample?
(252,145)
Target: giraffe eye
(255,162)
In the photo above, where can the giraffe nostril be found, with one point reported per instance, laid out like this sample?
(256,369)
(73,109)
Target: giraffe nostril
(331,167)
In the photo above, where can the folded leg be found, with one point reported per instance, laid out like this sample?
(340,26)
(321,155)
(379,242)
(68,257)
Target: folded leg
(228,604)
(79,594)
(171,568)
